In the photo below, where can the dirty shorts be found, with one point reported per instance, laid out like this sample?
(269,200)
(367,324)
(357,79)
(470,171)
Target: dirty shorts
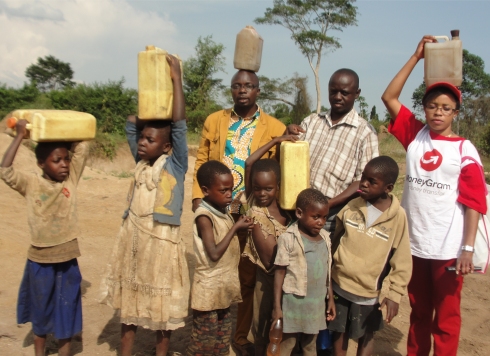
(355,319)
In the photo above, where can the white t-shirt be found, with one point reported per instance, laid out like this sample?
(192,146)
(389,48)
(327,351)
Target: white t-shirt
(430,195)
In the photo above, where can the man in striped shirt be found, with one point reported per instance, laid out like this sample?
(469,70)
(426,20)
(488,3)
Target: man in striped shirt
(341,143)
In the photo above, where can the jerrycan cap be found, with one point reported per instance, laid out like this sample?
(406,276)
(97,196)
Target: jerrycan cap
(11,122)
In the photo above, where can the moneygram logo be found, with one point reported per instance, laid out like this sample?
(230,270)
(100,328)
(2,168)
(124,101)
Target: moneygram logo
(427,183)
(431,160)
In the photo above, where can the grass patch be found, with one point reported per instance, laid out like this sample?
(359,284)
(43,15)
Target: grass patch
(390,146)
(193,137)
(105,145)
(122,174)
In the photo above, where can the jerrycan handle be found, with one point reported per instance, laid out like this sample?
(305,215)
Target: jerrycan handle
(12,121)
(445,38)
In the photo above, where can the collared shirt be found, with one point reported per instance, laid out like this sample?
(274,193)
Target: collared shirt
(338,152)
(237,150)
(291,253)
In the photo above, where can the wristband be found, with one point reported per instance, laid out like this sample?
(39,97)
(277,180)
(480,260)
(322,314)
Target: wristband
(467,248)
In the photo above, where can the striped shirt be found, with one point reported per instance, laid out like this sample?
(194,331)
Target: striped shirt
(338,153)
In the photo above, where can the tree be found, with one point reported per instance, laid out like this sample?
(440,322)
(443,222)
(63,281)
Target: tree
(50,73)
(309,21)
(12,99)
(200,87)
(276,89)
(291,91)
(363,107)
(374,115)
(302,100)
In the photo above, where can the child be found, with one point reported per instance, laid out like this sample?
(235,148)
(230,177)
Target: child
(370,242)
(50,295)
(302,276)
(262,179)
(216,248)
(148,278)
(443,196)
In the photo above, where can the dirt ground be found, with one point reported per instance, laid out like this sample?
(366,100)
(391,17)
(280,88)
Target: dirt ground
(101,194)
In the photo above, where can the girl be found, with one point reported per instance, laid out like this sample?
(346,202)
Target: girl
(443,202)
(302,275)
(148,278)
(262,177)
(50,296)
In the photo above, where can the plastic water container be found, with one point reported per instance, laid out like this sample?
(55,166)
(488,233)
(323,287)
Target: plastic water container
(275,337)
(248,49)
(155,89)
(444,60)
(295,172)
(324,340)
(55,125)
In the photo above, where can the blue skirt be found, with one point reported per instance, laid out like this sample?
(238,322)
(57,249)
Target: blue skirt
(50,298)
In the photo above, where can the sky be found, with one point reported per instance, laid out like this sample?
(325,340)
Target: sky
(101,38)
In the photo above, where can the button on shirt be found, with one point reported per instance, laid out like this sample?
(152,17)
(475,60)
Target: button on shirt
(338,152)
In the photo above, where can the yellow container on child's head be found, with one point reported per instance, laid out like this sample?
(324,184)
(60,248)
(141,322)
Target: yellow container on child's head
(295,172)
(155,88)
(56,125)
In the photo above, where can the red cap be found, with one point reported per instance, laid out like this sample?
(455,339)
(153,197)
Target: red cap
(451,87)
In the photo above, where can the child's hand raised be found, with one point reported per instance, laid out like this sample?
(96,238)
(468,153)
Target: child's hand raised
(283,138)
(174,63)
(21,127)
(419,52)
(294,129)
(391,309)
(244,222)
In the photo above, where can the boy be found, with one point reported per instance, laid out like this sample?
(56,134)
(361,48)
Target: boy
(50,295)
(370,243)
(216,284)
(302,276)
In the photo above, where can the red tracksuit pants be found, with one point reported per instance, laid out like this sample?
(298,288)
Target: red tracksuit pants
(435,298)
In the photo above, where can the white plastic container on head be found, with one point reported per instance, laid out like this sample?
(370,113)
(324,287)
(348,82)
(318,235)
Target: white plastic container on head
(444,60)
(248,49)
(56,125)
(295,172)
(155,89)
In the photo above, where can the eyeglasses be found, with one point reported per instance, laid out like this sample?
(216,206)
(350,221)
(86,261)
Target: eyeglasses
(248,87)
(444,109)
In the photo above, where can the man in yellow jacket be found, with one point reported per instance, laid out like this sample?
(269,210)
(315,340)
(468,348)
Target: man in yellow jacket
(230,136)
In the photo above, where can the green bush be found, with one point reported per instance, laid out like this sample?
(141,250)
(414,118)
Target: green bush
(106,144)
(109,102)
(12,99)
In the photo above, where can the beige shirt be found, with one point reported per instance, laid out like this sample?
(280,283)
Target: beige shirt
(338,153)
(51,206)
(291,253)
(216,284)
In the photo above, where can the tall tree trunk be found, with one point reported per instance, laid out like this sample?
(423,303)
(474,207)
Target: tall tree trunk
(318,93)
